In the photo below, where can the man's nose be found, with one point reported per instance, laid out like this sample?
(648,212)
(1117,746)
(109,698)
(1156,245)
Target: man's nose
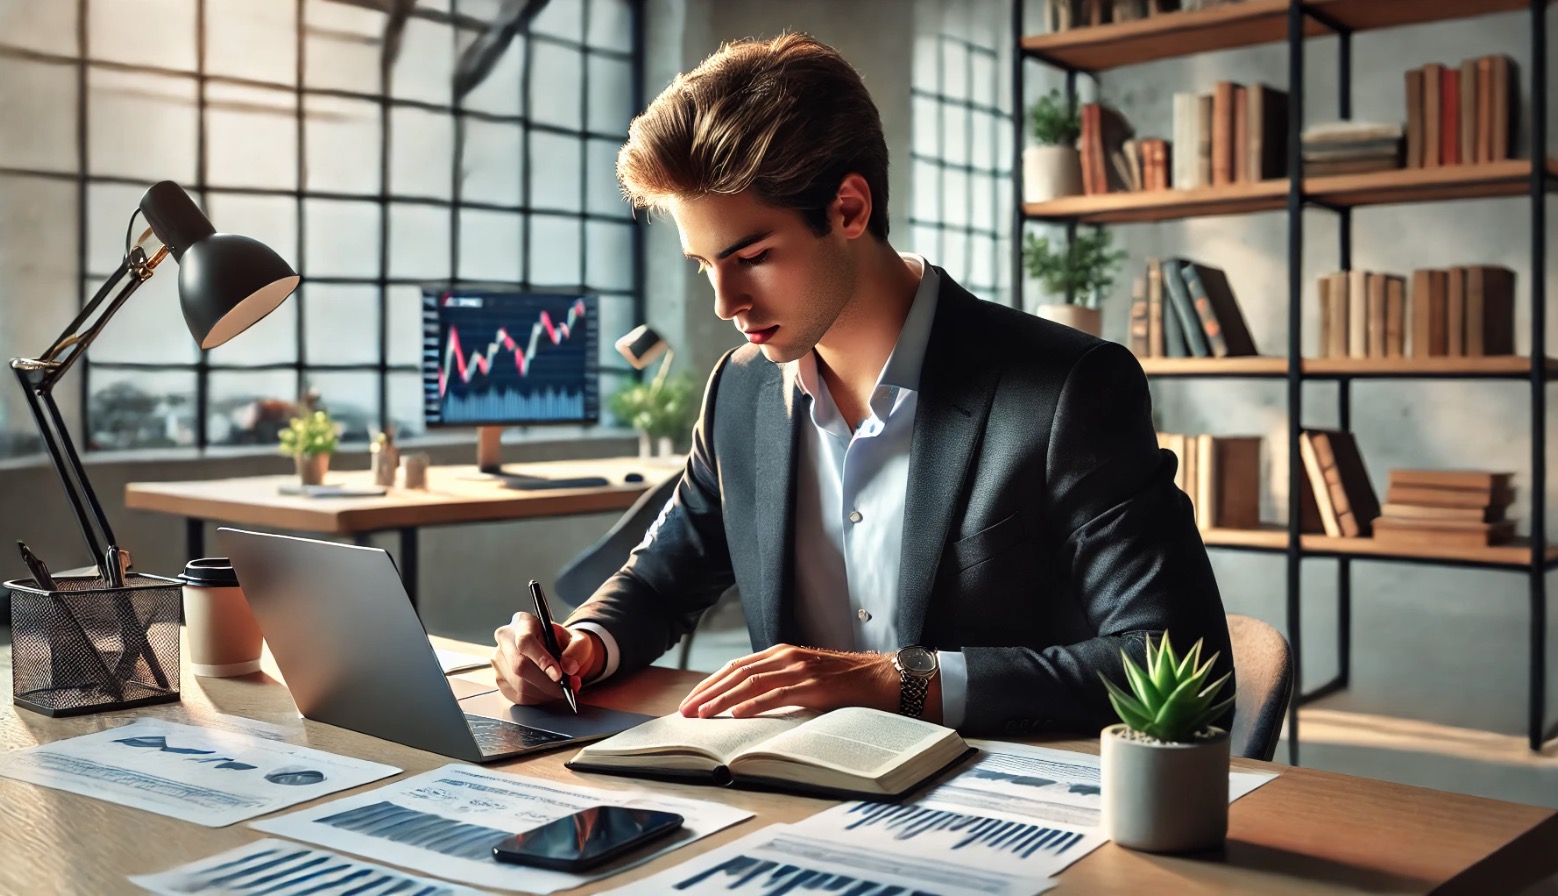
(730,299)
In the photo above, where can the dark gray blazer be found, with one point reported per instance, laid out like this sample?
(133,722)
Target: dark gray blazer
(1042,528)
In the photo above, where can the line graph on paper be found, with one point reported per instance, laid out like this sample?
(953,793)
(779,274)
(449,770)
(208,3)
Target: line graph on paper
(934,829)
(508,357)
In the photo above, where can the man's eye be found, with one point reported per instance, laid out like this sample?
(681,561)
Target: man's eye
(755,260)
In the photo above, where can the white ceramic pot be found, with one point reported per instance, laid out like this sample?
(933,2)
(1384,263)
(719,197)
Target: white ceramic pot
(1161,797)
(1088,320)
(1049,172)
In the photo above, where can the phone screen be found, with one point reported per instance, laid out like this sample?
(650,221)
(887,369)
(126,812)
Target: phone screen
(587,837)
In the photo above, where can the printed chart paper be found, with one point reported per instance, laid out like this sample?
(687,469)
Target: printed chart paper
(445,823)
(278,867)
(783,859)
(200,775)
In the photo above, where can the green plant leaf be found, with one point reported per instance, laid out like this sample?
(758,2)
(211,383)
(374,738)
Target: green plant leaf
(1142,685)
(1163,669)
(1189,661)
(1130,711)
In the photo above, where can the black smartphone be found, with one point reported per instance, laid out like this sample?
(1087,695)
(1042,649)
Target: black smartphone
(586,838)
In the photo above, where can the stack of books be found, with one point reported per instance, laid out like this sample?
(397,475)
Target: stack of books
(1363,314)
(1235,134)
(1462,116)
(1351,147)
(1221,475)
(1447,508)
(1186,309)
(1463,312)
(1064,15)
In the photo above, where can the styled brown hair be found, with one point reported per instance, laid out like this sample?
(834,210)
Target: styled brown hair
(786,118)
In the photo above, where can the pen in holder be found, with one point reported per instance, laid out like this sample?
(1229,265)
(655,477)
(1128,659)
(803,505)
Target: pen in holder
(88,646)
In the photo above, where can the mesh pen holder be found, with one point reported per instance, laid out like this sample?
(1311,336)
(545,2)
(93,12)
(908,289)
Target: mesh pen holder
(90,647)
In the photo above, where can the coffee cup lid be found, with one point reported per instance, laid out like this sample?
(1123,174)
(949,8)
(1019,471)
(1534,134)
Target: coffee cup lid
(210,572)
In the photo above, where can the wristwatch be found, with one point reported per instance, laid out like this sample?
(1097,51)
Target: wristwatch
(916,667)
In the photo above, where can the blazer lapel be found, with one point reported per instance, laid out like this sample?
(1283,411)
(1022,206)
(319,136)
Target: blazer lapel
(775,490)
(954,402)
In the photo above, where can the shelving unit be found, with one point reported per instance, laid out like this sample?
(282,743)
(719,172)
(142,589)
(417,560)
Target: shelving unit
(1255,22)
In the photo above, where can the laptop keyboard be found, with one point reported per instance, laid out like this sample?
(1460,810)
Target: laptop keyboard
(495,736)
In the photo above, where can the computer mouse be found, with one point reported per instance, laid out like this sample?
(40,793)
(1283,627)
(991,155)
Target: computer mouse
(633,477)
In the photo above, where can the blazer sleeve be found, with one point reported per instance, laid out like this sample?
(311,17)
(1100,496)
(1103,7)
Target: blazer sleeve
(1129,554)
(682,565)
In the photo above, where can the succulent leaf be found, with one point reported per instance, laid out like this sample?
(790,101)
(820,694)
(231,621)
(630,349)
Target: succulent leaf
(1142,685)
(1163,669)
(1170,698)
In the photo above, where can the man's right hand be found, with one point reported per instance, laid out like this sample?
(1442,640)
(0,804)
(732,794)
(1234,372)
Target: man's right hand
(526,671)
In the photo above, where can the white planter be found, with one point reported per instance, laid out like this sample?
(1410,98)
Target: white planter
(1162,797)
(1049,172)
(1088,320)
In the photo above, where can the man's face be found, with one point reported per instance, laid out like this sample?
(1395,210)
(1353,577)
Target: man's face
(773,277)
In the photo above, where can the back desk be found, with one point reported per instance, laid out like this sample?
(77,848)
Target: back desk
(1305,832)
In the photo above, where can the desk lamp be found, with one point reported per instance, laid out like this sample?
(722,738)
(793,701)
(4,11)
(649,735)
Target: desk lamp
(227,283)
(641,346)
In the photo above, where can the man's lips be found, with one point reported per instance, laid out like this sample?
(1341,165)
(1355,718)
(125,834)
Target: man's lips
(758,337)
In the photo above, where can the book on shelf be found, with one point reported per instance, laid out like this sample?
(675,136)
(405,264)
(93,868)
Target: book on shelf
(1461,114)
(1066,15)
(1351,147)
(1220,475)
(1238,131)
(1190,311)
(1448,508)
(1466,311)
(854,752)
(1342,491)
(1434,496)
(1447,534)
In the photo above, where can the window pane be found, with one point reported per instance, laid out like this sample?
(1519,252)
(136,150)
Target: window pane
(981,133)
(554,172)
(424,69)
(140,409)
(149,328)
(498,93)
(421,153)
(609,255)
(341,145)
(159,33)
(141,126)
(494,157)
(554,251)
(490,245)
(351,398)
(981,268)
(611,95)
(341,239)
(556,84)
(47,140)
(405,325)
(252,40)
(405,399)
(955,121)
(954,255)
(251,137)
(41,27)
(419,241)
(38,258)
(341,325)
(565,20)
(250,408)
(341,46)
(954,70)
(109,207)
(611,25)
(983,90)
(605,193)
(927,191)
(272,220)
(927,242)
(982,192)
(927,126)
(954,197)
(616,319)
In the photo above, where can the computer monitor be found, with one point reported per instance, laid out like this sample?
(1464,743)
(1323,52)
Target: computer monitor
(495,357)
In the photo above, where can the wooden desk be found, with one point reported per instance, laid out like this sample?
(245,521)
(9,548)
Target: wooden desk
(1304,832)
(454,495)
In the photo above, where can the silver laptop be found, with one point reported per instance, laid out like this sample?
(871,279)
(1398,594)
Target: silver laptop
(354,654)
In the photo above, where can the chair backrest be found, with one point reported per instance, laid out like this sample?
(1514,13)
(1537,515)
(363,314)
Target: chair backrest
(1263,668)
(595,564)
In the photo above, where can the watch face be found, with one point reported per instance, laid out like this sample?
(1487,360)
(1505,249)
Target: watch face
(917,660)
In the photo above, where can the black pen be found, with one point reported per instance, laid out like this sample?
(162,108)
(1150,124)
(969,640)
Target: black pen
(544,613)
(39,569)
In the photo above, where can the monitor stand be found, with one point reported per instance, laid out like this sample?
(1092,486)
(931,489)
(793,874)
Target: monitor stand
(489,454)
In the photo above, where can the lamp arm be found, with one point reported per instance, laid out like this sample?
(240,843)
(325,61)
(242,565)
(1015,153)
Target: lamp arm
(38,377)
(665,367)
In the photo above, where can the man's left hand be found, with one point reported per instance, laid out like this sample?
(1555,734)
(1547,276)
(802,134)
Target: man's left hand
(786,675)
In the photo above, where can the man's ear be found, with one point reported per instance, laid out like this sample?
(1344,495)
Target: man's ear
(851,210)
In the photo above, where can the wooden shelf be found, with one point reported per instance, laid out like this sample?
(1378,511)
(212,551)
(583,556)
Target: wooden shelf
(1250,366)
(1245,24)
(1510,366)
(1403,185)
(1515,554)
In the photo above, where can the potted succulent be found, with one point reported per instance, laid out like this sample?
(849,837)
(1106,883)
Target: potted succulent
(1052,168)
(1165,769)
(660,411)
(310,439)
(1077,275)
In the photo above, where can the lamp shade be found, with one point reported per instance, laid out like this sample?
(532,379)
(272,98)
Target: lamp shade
(641,346)
(227,283)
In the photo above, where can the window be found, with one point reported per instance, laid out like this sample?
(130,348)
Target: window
(277,121)
(961,144)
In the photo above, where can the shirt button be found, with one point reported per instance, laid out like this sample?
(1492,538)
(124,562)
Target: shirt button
(864,616)
(855,517)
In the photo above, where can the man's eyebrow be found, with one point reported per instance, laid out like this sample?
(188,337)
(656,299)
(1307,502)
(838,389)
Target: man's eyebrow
(735,247)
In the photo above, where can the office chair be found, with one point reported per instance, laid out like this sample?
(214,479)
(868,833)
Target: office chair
(1263,669)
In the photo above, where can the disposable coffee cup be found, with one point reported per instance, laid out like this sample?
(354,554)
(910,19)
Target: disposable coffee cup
(224,638)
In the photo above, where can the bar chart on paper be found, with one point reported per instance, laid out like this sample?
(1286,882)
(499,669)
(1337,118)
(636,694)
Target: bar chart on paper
(278,867)
(932,829)
(387,821)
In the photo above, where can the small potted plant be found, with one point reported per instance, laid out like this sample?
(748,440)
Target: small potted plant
(1052,168)
(1165,768)
(310,439)
(1076,277)
(660,411)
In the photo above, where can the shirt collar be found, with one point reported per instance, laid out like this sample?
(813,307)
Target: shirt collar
(902,370)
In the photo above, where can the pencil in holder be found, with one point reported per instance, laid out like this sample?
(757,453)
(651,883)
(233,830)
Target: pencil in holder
(90,647)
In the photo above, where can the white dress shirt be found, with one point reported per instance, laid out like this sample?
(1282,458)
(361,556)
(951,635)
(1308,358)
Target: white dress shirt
(849,500)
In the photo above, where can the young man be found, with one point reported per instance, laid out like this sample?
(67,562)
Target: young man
(931,504)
